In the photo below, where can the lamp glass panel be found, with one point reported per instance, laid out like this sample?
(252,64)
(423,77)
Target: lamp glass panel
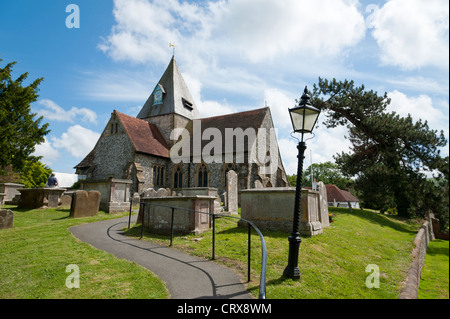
(310,120)
(303,119)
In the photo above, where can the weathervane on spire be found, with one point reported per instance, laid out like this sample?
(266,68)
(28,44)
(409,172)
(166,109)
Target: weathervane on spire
(173,46)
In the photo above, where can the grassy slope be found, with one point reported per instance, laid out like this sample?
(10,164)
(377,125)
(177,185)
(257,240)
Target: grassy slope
(35,253)
(332,264)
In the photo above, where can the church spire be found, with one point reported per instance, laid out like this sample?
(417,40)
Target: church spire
(170,95)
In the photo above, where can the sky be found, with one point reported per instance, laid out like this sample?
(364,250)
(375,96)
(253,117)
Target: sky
(235,55)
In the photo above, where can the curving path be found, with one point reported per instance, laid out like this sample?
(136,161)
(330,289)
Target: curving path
(186,277)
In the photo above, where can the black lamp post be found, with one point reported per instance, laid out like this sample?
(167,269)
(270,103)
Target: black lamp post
(304,117)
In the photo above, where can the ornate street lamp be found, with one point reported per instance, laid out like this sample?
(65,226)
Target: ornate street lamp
(304,117)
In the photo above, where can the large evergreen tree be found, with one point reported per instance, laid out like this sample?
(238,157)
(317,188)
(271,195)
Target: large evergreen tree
(20,131)
(389,153)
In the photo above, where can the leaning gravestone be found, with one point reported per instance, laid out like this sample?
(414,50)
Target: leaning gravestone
(6,219)
(85,204)
(232,192)
(323,205)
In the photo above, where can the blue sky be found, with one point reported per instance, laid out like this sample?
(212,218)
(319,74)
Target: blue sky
(235,55)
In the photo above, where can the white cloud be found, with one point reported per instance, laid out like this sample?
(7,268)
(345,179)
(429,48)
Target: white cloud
(272,28)
(53,111)
(78,141)
(413,33)
(235,29)
(420,108)
(279,103)
(206,108)
(321,147)
(118,85)
(47,151)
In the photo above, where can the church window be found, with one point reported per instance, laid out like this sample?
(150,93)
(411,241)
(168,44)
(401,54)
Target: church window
(158,176)
(178,178)
(202,176)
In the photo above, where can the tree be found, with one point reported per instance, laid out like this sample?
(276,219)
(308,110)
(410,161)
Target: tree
(20,131)
(328,173)
(389,153)
(34,174)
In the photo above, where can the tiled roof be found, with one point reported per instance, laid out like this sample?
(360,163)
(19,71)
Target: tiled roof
(146,137)
(243,120)
(87,161)
(334,193)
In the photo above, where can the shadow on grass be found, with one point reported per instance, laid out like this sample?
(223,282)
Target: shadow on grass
(438,249)
(393,222)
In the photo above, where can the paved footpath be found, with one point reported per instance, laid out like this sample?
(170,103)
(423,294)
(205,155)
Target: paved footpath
(186,277)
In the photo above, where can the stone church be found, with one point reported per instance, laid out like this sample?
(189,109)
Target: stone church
(141,149)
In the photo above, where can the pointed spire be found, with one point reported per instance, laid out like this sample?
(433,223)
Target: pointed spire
(170,95)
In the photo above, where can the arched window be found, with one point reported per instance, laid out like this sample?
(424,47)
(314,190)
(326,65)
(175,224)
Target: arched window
(202,176)
(158,176)
(178,177)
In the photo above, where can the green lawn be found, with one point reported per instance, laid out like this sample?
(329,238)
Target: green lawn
(35,253)
(434,282)
(332,264)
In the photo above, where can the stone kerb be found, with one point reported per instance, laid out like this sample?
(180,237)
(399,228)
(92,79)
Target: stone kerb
(85,204)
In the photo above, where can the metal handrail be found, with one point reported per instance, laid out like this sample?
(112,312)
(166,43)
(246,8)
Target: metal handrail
(262,283)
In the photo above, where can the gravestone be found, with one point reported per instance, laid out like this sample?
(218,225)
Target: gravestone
(150,192)
(232,192)
(258,184)
(85,204)
(162,192)
(66,200)
(6,219)
(323,205)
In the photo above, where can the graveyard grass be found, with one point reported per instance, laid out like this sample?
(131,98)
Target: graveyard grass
(434,282)
(332,264)
(34,255)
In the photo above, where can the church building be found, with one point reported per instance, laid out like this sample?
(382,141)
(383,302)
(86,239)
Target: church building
(168,145)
